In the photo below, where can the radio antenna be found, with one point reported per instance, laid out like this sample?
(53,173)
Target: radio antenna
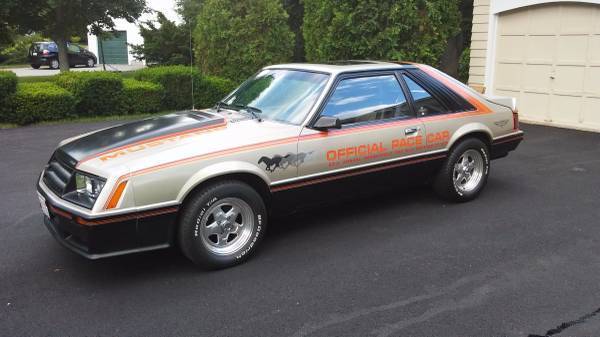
(191,65)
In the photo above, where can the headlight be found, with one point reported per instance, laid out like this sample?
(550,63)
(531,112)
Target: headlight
(85,184)
(85,189)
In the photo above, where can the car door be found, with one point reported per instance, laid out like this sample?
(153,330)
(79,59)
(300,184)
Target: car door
(432,112)
(74,53)
(377,126)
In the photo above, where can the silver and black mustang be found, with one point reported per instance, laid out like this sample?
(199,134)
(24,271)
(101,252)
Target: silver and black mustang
(207,181)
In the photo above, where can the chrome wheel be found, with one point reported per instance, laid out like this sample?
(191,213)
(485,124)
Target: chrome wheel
(90,62)
(54,64)
(227,226)
(468,171)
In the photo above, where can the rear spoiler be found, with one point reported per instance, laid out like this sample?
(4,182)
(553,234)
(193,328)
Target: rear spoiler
(509,102)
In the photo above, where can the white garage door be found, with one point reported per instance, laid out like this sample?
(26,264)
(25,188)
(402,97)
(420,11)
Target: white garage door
(548,56)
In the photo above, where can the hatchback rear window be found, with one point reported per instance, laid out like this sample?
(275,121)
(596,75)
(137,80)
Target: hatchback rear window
(50,46)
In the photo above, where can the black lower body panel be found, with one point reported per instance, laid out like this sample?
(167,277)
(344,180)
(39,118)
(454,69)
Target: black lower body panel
(501,147)
(117,235)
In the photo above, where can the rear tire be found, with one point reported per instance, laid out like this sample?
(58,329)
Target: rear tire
(464,173)
(90,63)
(35,66)
(222,225)
(54,64)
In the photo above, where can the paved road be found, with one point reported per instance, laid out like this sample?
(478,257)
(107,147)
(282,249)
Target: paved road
(45,71)
(521,260)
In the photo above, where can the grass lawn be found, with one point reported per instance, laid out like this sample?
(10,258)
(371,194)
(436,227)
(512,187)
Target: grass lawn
(90,119)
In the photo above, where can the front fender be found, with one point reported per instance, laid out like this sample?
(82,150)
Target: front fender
(221,169)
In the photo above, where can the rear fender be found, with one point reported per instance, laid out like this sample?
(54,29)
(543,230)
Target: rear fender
(470,128)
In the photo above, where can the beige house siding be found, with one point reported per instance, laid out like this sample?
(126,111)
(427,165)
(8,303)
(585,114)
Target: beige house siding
(479,37)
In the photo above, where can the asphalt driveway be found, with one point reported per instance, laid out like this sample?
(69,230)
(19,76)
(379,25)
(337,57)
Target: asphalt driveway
(521,260)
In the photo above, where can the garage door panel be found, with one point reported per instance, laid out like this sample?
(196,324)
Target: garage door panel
(540,49)
(534,106)
(508,76)
(572,49)
(592,82)
(569,80)
(511,48)
(576,18)
(593,53)
(591,112)
(537,78)
(544,21)
(514,23)
(565,109)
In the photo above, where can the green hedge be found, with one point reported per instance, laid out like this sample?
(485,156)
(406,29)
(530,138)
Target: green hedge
(82,94)
(210,89)
(8,84)
(141,97)
(177,82)
(35,102)
(97,93)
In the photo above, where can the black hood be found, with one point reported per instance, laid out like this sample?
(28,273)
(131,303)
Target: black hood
(134,132)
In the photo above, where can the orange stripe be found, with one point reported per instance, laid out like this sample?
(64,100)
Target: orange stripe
(60,212)
(116,195)
(351,174)
(150,140)
(481,108)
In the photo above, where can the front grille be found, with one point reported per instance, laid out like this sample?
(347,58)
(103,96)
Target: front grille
(58,173)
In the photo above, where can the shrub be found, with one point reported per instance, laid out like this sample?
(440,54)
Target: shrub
(176,81)
(236,38)
(43,101)
(141,97)
(463,65)
(8,84)
(16,52)
(97,93)
(211,89)
(410,30)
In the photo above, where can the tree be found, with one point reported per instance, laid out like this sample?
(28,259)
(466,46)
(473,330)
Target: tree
(61,19)
(189,10)
(295,10)
(167,43)
(235,38)
(411,30)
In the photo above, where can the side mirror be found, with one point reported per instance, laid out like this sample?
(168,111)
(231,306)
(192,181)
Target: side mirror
(327,122)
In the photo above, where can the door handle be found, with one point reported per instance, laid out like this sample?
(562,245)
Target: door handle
(410,131)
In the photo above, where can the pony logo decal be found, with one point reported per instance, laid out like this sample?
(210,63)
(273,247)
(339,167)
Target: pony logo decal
(283,162)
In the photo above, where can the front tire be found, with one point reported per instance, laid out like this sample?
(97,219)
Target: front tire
(222,225)
(90,63)
(464,173)
(54,64)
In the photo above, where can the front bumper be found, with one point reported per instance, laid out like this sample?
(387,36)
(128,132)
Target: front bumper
(113,235)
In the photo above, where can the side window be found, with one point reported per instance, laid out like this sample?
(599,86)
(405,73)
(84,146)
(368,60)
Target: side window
(365,99)
(425,103)
(73,48)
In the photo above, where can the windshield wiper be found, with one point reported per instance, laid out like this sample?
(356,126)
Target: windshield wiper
(252,110)
(221,104)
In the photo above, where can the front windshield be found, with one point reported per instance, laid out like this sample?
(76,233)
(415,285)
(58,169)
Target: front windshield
(281,95)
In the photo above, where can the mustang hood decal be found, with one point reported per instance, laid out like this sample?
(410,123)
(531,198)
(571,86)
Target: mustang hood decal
(138,132)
